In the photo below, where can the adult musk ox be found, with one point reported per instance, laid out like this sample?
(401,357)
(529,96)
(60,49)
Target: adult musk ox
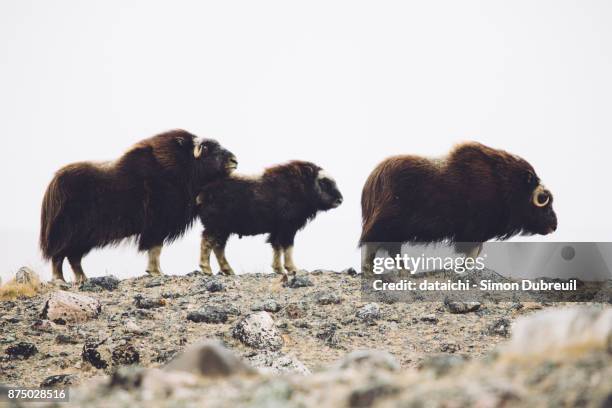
(474,194)
(279,202)
(147,194)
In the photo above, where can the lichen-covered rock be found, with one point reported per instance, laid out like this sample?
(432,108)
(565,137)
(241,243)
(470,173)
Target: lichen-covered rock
(125,354)
(91,355)
(67,307)
(99,284)
(268,305)
(209,358)
(208,314)
(26,276)
(457,307)
(21,350)
(58,380)
(369,312)
(257,330)
(277,363)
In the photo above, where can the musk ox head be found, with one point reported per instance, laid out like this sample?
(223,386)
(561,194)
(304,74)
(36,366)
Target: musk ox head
(212,159)
(536,206)
(326,191)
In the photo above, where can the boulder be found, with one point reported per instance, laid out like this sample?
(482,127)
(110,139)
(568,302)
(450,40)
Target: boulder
(257,330)
(67,307)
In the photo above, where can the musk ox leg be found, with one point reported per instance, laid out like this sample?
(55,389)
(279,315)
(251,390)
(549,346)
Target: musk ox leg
(289,264)
(277,265)
(206,247)
(77,269)
(56,268)
(153,265)
(219,249)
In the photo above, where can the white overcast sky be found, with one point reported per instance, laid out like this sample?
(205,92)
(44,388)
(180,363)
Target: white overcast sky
(340,83)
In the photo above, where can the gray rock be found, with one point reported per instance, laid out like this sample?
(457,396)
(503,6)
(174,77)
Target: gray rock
(299,281)
(500,327)
(143,303)
(209,358)
(67,307)
(327,298)
(369,359)
(21,350)
(125,354)
(26,276)
(257,330)
(457,307)
(369,312)
(99,284)
(208,314)
(268,305)
(278,363)
(213,285)
(60,380)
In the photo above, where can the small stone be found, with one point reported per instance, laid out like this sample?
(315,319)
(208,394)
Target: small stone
(275,362)
(99,284)
(58,380)
(131,327)
(329,334)
(63,307)
(369,312)
(92,356)
(65,339)
(327,298)
(257,330)
(213,286)
(143,303)
(208,314)
(21,350)
(299,281)
(430,318)
(456,307)
(369,359)
(500,327)
(125,354)
(350,271)
(295,311)
(268,305)
(26,276)
(209,358)
(449,347)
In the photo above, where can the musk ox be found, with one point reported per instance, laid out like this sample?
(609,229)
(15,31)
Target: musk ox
(474,194)
(278,202)
(147,194)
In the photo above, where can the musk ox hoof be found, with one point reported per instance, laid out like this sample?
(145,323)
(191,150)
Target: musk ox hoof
(279,270)
(154,272)
(227,272)
(206,270)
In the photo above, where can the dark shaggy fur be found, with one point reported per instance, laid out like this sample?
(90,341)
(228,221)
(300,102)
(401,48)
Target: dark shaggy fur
(475,194)
(147,194)
(279,202)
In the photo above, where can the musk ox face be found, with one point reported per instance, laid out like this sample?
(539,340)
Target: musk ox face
(539,216)
(212,159)
(327,191)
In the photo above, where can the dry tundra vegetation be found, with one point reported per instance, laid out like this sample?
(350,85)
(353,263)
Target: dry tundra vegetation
(251,340)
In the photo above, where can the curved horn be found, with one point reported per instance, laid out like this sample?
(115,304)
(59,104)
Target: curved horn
(197,151)
(535,198)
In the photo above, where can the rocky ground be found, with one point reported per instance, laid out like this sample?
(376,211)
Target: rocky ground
(291,345)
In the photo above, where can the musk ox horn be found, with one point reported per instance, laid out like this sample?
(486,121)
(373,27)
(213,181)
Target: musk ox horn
(536,197)
(197,151)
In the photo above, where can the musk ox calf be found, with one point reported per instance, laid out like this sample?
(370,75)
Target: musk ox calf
(474,194)
(148,194)
(279,202)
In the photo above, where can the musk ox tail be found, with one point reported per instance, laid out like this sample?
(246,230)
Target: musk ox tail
(374,196)
(52,205)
